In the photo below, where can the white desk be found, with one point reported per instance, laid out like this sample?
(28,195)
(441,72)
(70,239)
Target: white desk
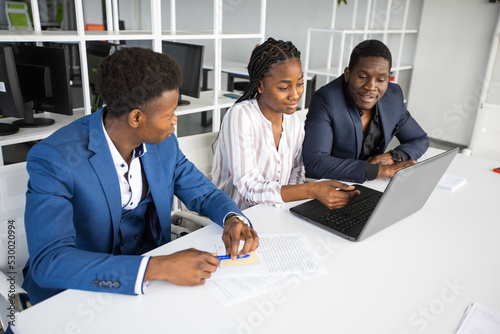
(418,276)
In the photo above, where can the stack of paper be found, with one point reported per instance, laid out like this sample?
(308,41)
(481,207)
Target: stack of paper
(479,319)
(280,260)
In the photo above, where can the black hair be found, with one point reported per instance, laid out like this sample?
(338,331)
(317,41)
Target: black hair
(130,78)
(264,57)
(370,48)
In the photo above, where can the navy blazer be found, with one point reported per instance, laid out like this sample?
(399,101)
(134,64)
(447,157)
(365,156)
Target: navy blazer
(73,208)
(334,132)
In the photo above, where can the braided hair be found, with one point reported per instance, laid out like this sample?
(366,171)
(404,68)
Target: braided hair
(264,57)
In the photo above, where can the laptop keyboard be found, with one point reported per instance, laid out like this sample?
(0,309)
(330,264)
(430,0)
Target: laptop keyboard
(351,215)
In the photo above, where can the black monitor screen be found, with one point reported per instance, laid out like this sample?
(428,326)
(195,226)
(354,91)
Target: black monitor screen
(96,52)
(190,58)
(44,79)
(11,101)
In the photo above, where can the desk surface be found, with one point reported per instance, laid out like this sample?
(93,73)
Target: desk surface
(417,276)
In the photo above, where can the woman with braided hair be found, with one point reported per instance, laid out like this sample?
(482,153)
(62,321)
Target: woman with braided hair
(258,158)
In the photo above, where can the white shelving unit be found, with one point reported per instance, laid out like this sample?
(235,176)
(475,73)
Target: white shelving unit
(210,100)
(342,41)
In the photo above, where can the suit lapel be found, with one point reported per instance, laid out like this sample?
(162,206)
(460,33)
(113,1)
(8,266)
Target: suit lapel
(103,166)
(155,176)
(356,119)
(385,115)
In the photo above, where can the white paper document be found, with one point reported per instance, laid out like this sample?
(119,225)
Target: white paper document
(280,260)
(450,182)
(480,319)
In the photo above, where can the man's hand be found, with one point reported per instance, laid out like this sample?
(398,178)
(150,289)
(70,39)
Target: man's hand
(326,192)
(389,170)
(381,159)
(189,267)
(236,230)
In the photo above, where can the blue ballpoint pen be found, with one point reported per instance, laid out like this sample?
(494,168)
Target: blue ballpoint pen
(228,257)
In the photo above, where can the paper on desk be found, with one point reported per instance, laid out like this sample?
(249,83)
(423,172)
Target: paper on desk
(450,182)
(480,319)
(229,291)
(284,259)
(277,254)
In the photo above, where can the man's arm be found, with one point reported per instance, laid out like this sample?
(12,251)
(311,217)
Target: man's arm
(319,141)
(199,194)
(413,139)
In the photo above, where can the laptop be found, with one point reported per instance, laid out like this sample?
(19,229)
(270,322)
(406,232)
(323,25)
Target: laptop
(372,211)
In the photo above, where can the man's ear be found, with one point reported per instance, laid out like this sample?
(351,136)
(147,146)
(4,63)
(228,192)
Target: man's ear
(346,74)
(135,117)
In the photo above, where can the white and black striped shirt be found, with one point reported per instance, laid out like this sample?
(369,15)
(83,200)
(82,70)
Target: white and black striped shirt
(247,165)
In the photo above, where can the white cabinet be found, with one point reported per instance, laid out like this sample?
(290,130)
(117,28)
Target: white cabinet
(149,14)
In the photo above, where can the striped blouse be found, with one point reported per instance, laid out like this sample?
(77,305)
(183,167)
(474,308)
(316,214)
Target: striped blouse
(247,165)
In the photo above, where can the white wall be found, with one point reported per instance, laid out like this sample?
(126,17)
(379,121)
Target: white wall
(450,63)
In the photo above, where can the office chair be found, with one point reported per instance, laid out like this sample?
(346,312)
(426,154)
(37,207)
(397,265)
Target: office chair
(198,149)
(13,186)
(11,303)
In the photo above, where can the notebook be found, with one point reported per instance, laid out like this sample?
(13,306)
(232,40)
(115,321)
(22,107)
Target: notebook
(372,211)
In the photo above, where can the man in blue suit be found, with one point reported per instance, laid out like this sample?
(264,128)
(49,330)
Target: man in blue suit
(101,189)
(352,119)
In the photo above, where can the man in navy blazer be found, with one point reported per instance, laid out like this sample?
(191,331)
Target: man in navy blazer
(352,119)
(101,190)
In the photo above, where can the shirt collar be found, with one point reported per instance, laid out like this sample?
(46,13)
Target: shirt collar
(117,157)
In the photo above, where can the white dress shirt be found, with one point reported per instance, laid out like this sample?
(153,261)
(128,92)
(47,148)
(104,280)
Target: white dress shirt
(247,165)
(131,190)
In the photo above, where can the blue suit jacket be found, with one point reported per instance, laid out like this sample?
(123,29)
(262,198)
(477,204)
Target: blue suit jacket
(73,208)
(334,132)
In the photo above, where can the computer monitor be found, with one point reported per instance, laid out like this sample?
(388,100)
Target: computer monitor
(11,100)
(96,52)
(190,58)
(43,74)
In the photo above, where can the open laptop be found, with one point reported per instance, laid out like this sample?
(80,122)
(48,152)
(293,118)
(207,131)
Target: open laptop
(372,211)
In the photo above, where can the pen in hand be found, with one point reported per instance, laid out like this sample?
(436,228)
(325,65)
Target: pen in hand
(228,257)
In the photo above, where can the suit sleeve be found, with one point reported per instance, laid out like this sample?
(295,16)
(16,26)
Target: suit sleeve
(198,193)
(56,262)
(319,141)
(413,139)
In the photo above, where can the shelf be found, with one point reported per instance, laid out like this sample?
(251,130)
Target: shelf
(155,34)
(39,36)
(367,31)
(204,103)
(334,71)
(30,134)
(340,41)
(73,37)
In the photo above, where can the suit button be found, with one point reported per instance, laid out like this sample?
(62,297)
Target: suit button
(102,284)
(136,237)
(124,243)
(116,284)
(96,283)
